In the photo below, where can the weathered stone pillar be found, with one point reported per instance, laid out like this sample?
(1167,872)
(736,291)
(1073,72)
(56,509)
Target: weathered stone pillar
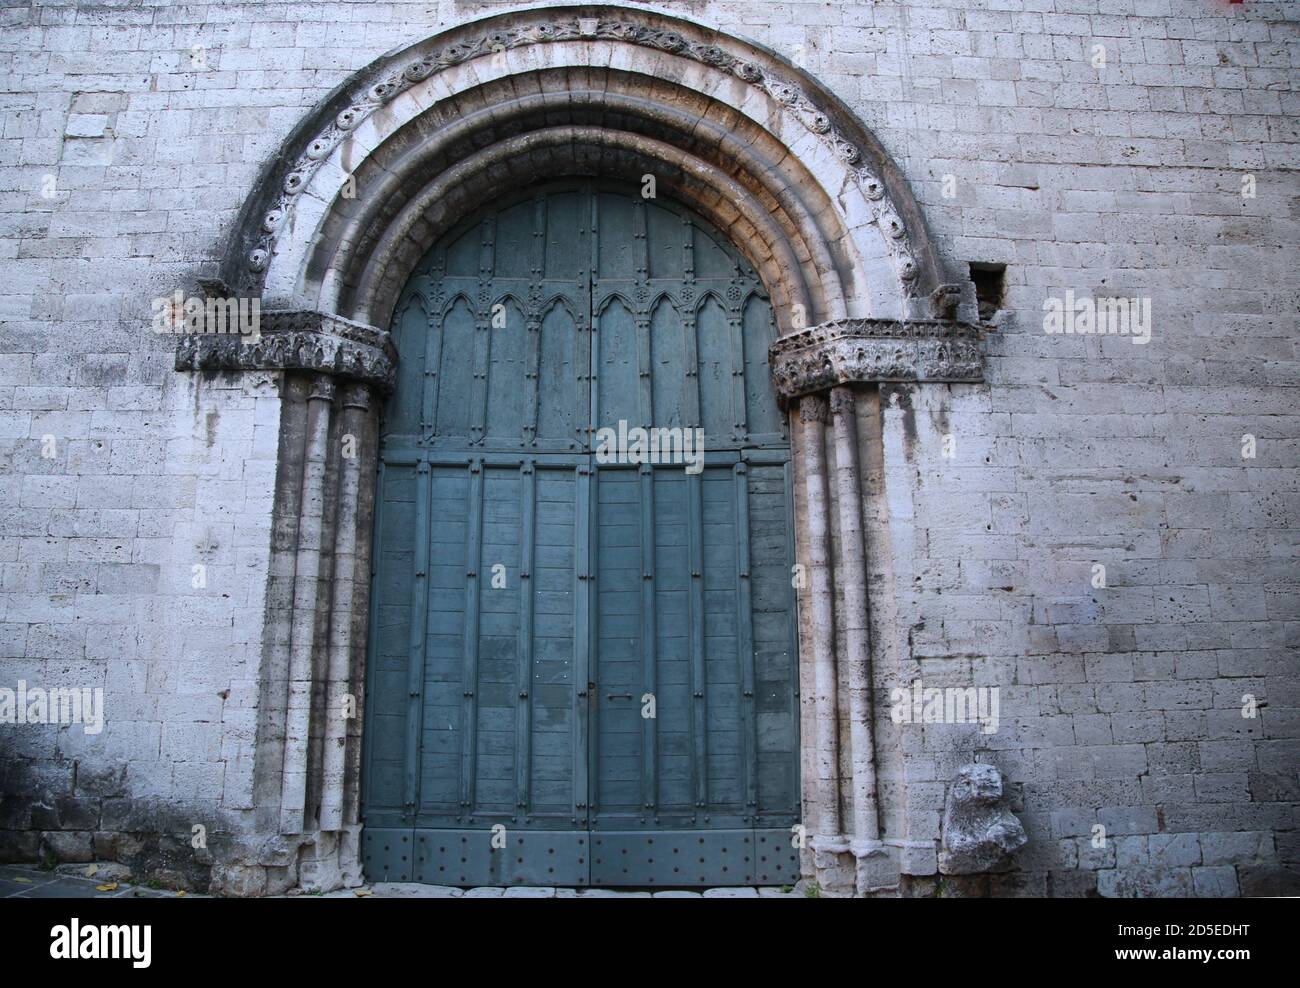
(340,700)
(852,572)
(307,760)
(810,367)
(825,786)
(310,584)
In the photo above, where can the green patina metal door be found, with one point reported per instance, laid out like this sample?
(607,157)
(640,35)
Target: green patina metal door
(582,659)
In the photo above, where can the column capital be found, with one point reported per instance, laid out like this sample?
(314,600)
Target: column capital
(842,400)
(812,408)
(321,388)
(296,340)
(853,351)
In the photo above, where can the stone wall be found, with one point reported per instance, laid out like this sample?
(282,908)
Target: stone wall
(132,135)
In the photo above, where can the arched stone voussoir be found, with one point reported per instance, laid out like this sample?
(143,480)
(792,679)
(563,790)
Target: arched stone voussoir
(389,108)
(388,180)
(580,150)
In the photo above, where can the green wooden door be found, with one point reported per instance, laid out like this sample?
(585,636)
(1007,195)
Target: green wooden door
(582,665)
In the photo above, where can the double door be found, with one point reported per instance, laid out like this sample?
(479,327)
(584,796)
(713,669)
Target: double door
(582,663)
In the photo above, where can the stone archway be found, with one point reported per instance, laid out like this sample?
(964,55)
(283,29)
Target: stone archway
(372,177)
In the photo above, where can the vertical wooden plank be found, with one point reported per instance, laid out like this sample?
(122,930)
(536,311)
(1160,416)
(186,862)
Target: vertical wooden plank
(593,339)
(645,370)
(745,642)
(640,248)
(695,555)
(524,678)
(483,332)
(592,633)
(649,651)
(688,262)
(795,798)
(372,646)
(714,372)
(533,322)
(432,358)
(692,414)
(419,624)
(584,700)
(469,668)
(736,329)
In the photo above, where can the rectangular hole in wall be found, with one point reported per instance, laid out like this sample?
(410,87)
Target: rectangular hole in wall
(990,282)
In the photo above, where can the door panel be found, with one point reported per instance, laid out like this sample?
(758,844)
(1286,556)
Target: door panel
(581,671)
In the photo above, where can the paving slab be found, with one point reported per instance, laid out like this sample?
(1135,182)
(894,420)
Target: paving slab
(70,882)
(412,890)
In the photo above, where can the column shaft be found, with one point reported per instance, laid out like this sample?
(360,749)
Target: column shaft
(854,623)
(813,414)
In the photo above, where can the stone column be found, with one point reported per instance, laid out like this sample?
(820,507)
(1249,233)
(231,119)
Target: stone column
(340,701)
(808,368)
(307,756)
(821,591)
(851,575)
(311,580)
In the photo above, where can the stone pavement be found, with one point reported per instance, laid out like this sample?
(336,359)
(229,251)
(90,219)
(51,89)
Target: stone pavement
(72,882)
(107,882)
(409,890)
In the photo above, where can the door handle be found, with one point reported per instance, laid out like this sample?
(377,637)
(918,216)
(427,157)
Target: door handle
(618,696)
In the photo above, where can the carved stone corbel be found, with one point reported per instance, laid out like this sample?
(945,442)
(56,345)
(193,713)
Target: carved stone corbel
(861,351)
(293,340)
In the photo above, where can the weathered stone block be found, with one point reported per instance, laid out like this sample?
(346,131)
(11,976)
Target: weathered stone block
(979,833)
(19,846)
(1219,882)
(1145,883)
(1269,880)
(67,845)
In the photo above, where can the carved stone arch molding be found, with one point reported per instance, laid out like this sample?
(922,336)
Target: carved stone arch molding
(406,148)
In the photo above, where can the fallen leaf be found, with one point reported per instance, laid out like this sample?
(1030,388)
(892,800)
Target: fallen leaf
(110,887)
(23,881)
(91,869)
(361,893)
(180,895)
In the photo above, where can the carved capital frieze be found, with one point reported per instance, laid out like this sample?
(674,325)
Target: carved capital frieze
(841,401)
(298,341)
(853,351)
(812,408)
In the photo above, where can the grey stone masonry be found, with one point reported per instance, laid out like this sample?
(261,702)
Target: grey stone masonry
(1085,539)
